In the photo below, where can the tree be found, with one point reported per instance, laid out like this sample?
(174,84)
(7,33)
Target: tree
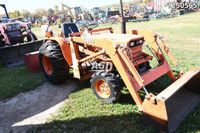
(11,15)
(56,10)
(25,14)
(35,15)
(50,12)
(40,12)
(14,14)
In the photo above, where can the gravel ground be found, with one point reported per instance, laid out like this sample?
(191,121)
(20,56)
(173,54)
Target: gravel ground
(32,108)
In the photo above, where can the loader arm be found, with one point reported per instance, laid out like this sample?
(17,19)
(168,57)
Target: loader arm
(69,9)
(166,110)
(154,40)
(132,79)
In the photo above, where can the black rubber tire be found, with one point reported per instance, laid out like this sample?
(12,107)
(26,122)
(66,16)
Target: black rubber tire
(29,39)
(59,64)
(113,83)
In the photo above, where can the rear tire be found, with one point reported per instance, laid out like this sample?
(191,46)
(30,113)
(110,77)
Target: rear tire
(52,62)
(106,86)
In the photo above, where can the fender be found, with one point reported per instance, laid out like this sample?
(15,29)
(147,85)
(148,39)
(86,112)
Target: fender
(65,48)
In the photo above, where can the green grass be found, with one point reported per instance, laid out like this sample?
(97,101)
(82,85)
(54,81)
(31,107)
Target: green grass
(84,113)
(17,79)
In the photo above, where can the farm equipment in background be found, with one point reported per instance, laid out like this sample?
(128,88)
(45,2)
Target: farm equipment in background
(110,13)
(145,4)
(15,32)
(73,15)
(137,12)
(39,22)
(97,13)
(16,39)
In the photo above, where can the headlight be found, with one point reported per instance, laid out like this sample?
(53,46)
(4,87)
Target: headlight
(9,27)
(132,44)
(136,43)
(141,41)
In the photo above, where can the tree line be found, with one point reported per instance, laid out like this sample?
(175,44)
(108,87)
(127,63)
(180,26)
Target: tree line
(37,14)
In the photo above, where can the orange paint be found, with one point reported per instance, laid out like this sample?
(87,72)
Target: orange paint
(48,67)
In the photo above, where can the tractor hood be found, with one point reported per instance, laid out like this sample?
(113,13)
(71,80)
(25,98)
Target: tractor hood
(122,39)
(108,41)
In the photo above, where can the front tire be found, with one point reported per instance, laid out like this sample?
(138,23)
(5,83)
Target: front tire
(106,86)
(52,62)
(29,39)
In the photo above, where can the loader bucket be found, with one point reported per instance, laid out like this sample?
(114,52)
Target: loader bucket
(166,110)
(14,55)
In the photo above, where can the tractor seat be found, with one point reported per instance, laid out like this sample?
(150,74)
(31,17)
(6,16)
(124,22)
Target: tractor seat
(68,28)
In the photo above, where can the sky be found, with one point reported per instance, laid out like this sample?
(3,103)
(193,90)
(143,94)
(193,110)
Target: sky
(33,5)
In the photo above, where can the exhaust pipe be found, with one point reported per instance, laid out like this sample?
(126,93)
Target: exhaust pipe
(123,23)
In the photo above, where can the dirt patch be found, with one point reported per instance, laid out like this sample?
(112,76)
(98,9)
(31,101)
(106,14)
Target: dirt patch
(32,108)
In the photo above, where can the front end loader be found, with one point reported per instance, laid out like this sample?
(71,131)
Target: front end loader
(16,39)
(80,51)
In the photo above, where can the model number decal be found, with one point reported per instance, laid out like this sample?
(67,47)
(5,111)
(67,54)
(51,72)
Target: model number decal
(89,41)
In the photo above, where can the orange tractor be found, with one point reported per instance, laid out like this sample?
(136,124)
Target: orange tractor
(123,55)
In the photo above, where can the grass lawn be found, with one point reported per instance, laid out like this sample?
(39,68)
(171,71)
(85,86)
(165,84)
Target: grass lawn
(17,79)
(84,113)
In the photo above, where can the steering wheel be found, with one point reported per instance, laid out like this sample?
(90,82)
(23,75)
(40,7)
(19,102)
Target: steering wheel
(89,27)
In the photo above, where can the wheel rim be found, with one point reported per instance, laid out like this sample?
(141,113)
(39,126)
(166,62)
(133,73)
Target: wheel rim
(102,88)
(47,65)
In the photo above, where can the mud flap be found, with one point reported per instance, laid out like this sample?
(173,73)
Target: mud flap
(166,110)
(14,55)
